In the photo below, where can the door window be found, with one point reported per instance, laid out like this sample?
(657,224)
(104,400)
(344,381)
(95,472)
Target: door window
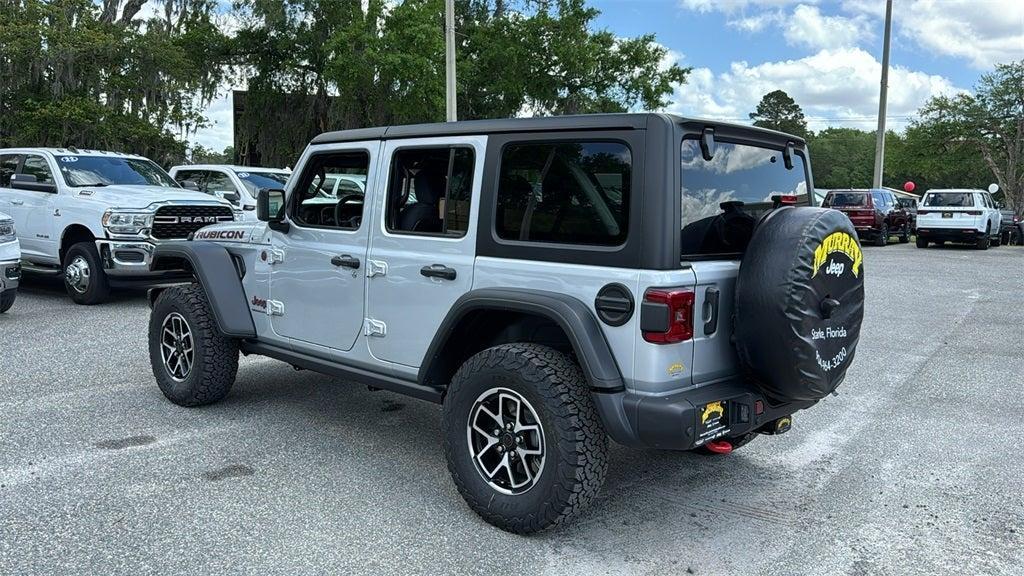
(8,166)
(191,179)
(330,192)
(37,166)
(430,190)
(565,192)
(220,185)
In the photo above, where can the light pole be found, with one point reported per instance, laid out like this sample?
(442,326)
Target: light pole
(876,181)
(449,59)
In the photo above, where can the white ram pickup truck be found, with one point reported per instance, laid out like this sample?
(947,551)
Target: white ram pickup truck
(95,217)
(10,266)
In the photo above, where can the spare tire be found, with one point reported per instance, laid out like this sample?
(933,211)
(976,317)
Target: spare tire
(800,302)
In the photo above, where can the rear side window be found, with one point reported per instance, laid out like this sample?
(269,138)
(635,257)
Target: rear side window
(950,199)
(845,200)
(430,191)
(572,192)
(8,166)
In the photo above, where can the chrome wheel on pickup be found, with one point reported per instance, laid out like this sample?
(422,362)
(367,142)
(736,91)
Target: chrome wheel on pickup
(84,278)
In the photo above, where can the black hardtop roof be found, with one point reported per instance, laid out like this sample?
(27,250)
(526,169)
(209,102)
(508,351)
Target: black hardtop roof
(582,122)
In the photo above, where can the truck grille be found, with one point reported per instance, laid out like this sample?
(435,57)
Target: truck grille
(173,222)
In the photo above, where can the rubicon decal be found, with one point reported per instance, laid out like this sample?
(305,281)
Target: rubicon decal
(220,235)
(838,242)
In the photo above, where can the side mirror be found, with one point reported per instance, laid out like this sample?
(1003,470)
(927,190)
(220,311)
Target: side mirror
(190,185)
(30,182)
(270,208)
(230,197)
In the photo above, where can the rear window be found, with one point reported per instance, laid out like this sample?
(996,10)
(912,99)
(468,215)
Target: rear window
(845,200)
(574,192)
(950,199)
(723,197)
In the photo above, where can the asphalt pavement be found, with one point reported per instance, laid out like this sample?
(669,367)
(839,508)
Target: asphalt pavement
(914,468)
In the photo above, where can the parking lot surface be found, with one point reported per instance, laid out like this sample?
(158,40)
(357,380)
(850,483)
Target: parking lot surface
(914,468)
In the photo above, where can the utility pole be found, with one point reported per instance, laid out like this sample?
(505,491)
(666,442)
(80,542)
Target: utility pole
(449,59)
(876,182)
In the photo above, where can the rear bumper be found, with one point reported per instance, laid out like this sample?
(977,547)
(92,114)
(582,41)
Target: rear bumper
(679,421)
(10,275)
(949,234)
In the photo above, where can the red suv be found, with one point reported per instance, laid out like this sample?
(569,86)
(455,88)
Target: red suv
(876,214)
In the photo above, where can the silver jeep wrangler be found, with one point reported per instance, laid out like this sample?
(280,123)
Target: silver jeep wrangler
(552,282)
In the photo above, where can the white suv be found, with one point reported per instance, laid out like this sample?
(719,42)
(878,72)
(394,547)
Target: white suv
(958,215)
(95,217)
(236,184)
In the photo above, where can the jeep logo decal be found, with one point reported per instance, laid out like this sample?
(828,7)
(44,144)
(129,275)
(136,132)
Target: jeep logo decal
(838,242)
(259,302)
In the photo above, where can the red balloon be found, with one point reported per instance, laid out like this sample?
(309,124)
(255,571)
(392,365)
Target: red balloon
(909,187)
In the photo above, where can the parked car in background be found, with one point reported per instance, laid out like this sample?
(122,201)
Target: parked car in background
(236,184)
(95,217)
(876,213)
(910,205)
(958,215)
(10,263)
(1009,227)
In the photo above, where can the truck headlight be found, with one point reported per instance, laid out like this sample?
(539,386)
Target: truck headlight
(6,231)
(127,222)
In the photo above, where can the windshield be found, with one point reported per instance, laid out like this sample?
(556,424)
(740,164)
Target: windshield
(256,181)
(111,170)
(846,199)
(723,197)
(950,199)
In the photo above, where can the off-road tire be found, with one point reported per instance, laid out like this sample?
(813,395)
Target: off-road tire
(576,446)
(98,289)
(997,241)
(7,300)
(921,242)
(883,236)
(215,362)
(905,235)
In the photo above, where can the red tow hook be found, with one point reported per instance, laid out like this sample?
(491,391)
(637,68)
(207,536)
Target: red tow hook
(719,446)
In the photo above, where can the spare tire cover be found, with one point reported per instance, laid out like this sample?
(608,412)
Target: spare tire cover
(800,302)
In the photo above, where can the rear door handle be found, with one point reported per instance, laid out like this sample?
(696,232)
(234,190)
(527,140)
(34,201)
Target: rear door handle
(17,202)
(345,261)
(711,311)
(438,271)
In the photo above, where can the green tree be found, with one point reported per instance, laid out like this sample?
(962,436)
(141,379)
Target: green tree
(317,65)
(778,111)
(98,75)
(990,122)
(842,158)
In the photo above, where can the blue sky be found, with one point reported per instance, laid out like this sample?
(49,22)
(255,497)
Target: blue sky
(826,54)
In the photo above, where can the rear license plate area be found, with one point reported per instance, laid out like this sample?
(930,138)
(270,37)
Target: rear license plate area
(712,421)
(947,214)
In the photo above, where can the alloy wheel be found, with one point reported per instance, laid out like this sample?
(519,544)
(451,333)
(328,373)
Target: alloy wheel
(506,441)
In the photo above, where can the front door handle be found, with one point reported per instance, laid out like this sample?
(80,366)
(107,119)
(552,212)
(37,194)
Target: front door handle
(346,261)
(438,271)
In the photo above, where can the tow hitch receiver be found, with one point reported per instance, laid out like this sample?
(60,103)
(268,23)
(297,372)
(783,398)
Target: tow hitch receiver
(778,426)
(719,446)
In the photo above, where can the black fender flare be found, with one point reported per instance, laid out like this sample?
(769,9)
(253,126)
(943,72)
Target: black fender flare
(216,273)
(569,313)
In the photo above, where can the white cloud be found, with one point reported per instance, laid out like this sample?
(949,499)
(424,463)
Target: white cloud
(220,133)
(983,32)
(834,88)
(807,26)
(980,32)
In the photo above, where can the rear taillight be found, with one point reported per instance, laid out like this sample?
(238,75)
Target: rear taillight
(666,315)
(974,212)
